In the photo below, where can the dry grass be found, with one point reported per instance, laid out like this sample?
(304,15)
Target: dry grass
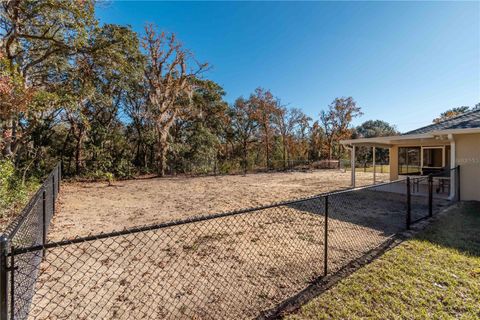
(231,267)
(96,207)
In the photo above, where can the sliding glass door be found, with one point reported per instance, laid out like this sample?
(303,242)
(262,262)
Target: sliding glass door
(423,160)
(409,160)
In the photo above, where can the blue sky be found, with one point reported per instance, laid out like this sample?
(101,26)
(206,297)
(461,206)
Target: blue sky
(403,62)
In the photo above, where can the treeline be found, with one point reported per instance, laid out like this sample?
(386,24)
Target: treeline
(110,102)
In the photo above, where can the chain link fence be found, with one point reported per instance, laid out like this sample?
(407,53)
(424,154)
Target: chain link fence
(432,191)
(30,228)
(234,265)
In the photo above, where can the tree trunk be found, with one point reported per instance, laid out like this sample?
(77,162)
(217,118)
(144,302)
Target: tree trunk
(8,136)
(138,150)
(64,146)
(78,151)
(244,157)
(138,161)
(267,150)
(145,157)
(329,150)
(162,145)
(152,155)
(161,158)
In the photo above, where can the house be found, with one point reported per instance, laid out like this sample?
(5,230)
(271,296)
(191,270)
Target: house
(432,150)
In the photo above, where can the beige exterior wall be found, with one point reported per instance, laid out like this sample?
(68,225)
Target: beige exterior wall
(393,154)
(468,157)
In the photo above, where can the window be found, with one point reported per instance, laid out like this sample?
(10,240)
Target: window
(409,160)
(433,157)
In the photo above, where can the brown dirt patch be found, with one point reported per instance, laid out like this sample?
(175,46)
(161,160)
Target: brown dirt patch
(231,267)
(89,208)
(226,268)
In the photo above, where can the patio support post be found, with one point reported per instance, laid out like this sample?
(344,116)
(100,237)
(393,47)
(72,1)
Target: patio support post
(374,172)
(353,165)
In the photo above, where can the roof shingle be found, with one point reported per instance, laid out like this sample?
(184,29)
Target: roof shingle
(467,120)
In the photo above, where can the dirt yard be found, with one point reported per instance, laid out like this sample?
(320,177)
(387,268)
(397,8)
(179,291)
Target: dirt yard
(233,267)
(226,268)
(96,207)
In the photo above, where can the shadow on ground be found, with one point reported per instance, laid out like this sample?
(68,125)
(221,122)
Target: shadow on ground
(371,208)
(458,228)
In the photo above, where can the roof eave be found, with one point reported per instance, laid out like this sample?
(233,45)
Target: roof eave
(390,140)
(456,131)
(386,140)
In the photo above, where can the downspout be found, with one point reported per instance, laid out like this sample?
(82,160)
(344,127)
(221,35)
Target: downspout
(453,160)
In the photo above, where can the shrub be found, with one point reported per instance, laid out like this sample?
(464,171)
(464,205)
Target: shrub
(100,175)
(14,192)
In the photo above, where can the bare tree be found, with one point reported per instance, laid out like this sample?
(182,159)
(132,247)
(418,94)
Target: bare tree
(336,121)
(316,141)
(244,125)
(135,107)
(169,73)
(266,107)
(328,123)
(287,120)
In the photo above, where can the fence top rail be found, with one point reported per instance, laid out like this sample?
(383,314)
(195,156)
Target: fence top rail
(12,229)
(445,173)
(194,219)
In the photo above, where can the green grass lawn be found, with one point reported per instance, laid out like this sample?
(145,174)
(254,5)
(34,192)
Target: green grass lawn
(435,275)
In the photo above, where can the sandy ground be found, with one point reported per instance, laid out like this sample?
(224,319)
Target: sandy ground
(89,208)
(233,267)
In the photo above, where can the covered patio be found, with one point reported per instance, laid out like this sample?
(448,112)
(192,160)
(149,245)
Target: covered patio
(415,156)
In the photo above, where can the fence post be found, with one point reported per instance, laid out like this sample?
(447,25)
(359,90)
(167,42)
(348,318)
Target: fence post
(44,211)
(430,195)
(54,196)
(409,207)
(3,279)
(325,242)
(59,177)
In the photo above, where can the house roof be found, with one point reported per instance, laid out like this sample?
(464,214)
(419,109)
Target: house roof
(467,120)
